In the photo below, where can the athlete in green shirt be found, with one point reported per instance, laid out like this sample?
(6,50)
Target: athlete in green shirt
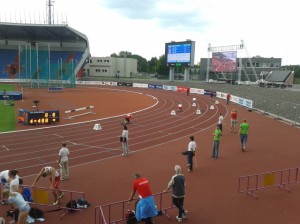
(244,128)
(217,135)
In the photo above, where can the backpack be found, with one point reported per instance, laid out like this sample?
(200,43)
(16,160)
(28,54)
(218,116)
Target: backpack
(71,205)
(36,213)
(130,217)
(27,194)
(82,203)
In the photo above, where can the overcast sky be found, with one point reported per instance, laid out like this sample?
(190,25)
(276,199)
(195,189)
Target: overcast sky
(268,28)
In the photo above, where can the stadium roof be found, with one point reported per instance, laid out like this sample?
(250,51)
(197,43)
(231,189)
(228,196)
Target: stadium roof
(278,76)
(33,32)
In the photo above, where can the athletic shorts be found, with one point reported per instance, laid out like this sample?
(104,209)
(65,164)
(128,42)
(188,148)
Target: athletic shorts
(233,122)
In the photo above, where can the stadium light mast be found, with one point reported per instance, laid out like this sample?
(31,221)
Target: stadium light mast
(50,11)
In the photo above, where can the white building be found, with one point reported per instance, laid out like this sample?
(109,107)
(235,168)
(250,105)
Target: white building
(110,67)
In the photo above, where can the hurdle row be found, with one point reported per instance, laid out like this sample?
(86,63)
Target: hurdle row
(89,108)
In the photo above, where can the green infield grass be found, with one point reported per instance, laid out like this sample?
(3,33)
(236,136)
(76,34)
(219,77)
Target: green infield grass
(7,112)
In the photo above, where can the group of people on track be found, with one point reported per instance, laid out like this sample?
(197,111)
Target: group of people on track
(17,195)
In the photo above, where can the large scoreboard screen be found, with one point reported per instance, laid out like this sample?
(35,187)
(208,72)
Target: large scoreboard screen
(38,117)
(180,53)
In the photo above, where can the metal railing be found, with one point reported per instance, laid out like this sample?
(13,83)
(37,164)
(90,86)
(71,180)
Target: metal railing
(279,178)
(114,213)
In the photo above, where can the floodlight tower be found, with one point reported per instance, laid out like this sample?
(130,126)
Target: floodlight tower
(50,11)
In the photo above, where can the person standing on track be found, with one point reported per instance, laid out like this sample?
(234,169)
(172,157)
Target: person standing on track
(191,153)
(220,122)
(244,128)
(233,116)
(63,161)
(177,183)
(54,181)
(124,141)
(145,207)
(217,135)
(228,97)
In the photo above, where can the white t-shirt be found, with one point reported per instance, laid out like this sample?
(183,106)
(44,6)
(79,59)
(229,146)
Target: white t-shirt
(14,182)
(18,200)
(221,118)
(125,134)
(4,175)
(192,146)
(63,153)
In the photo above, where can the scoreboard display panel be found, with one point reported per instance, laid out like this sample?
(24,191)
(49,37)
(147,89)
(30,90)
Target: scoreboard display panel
(38,117)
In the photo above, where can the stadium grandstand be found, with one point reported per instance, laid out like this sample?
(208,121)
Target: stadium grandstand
(42,55)
(277,79)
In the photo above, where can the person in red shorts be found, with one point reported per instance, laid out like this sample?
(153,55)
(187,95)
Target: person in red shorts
(145,207)
(54,180)
(233,116)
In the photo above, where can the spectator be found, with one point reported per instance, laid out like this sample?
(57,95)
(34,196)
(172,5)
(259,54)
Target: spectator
(228,97)
(177,183)
(191,152)
(244,128)
(124,141)
(220,122)
(217,135)
(54,181)
(233,116)
(145,207)
(18,202)
(188,91)
(63,161)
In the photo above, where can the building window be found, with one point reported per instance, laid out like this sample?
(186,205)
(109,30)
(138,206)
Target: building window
(271,65)
(248,64)
(257,65)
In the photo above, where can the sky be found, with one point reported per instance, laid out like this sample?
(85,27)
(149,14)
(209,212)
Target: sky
(142,27)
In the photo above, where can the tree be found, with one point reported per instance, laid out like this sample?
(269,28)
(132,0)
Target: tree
(153,65)
(142,63)
(162,68)
(125,54)
(114,55)
(295,68)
